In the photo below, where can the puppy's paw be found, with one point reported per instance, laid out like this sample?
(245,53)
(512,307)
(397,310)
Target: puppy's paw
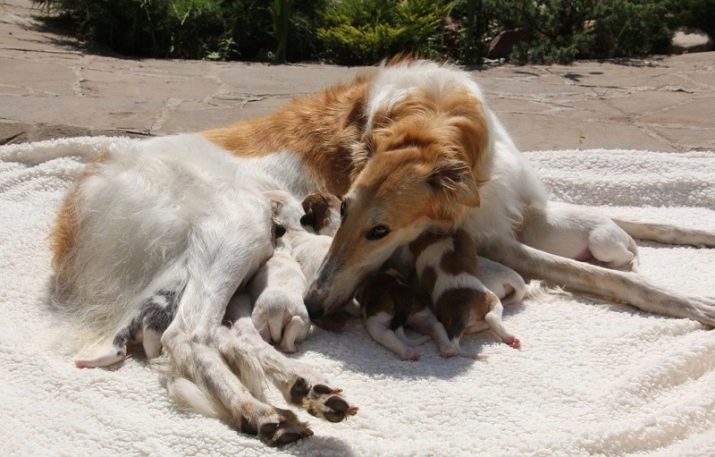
(512,341)
(321,401)
(410,354)
(448,350)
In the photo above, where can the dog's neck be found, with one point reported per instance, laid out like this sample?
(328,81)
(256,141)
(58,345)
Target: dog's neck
(321,128)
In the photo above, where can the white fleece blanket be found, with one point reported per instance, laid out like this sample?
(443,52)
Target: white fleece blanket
(591,379)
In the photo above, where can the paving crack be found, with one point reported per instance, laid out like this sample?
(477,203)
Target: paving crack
(79,79)
(171,104)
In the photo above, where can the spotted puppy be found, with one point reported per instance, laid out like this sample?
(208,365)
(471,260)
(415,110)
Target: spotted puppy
(388,303)
(446,267)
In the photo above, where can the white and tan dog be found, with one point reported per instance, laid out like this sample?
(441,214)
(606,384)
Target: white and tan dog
(411,147)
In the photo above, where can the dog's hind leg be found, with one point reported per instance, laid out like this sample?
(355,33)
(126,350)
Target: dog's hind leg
(494,319)
(624,287)
(299,385)
(668,234)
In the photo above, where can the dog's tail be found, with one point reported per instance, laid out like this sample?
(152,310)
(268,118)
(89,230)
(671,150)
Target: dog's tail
(189,396)
(88,148)
(668,234)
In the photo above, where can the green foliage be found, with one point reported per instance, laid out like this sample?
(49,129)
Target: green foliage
(564,30)
(360,31)
(366,31)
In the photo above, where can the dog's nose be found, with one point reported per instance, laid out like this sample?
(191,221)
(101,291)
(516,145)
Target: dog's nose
(314,304)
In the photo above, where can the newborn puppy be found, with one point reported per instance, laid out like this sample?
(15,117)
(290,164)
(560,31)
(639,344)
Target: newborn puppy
(388,303)
(276,291)
(446,267)
(322,213)
(574,232)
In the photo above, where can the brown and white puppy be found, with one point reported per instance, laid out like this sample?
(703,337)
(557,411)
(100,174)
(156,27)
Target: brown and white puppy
(446,267)
(388,303)
(322,213)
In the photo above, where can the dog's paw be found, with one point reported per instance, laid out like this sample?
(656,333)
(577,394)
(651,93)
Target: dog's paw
(321,401)
(283,427)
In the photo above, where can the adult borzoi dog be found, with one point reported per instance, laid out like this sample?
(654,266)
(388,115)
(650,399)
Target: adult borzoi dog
(411,147)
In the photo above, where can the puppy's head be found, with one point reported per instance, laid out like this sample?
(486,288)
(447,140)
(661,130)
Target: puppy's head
(322,213)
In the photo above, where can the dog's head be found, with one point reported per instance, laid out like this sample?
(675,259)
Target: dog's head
(418,168)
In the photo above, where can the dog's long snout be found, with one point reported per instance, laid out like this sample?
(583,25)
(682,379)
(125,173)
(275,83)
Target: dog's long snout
(314,303)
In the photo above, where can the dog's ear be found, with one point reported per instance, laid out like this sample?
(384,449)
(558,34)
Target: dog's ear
(454,180)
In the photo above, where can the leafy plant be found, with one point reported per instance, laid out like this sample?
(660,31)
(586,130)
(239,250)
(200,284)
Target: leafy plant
(365,31)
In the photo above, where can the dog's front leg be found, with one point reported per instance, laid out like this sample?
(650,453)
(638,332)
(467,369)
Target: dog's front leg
(629,288)
(243,348)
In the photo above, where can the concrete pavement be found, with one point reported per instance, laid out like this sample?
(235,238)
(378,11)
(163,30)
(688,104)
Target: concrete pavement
(50,86)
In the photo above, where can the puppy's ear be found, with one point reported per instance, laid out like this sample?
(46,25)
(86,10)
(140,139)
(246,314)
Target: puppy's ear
(453,179)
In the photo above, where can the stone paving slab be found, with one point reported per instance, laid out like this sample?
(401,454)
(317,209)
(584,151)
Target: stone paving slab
(51,86)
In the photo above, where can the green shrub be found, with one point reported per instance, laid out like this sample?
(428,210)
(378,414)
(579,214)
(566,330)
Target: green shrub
(216,29)
(365,31)
(564,30)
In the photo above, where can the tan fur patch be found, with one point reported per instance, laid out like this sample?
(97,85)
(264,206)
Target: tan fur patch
(321,128)
(63,236)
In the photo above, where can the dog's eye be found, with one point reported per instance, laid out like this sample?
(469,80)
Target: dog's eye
(377,232)
(343,209)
